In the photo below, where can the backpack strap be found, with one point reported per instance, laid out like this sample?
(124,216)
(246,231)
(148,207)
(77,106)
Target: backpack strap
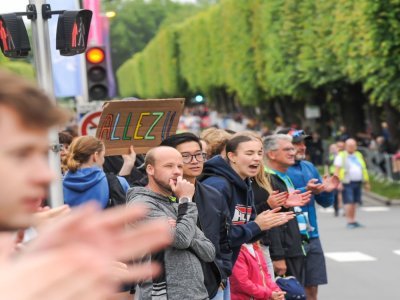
(117,194)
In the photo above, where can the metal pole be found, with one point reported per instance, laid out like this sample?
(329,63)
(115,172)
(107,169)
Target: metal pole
(44,75)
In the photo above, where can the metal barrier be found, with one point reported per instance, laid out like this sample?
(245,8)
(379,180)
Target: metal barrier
(381,165)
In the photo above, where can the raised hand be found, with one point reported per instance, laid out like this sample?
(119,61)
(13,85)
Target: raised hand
(298,199)
(277,199)
(314,186)
(331,183)
(129,162)
(273,218)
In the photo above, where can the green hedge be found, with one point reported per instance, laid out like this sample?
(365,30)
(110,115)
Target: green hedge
(258,50)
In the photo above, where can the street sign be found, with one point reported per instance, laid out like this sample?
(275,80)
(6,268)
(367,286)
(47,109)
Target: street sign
(89,123)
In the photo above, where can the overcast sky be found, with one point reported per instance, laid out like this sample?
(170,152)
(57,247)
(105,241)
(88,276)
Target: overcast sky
(7,6)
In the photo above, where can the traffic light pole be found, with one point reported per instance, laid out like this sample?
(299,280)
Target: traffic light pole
(44,75)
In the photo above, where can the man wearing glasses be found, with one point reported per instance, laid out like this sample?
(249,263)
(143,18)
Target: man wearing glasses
(306,177)
(214,216)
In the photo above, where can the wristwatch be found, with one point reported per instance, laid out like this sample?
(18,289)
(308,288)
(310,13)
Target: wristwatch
(184,199)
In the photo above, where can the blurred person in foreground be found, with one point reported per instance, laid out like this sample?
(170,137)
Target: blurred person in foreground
(74,257)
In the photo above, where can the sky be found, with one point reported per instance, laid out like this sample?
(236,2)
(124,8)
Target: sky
(7,6)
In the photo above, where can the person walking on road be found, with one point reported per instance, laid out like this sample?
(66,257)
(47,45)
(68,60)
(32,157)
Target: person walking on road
(352,171)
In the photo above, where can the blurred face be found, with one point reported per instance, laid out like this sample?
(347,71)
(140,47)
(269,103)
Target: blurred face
(351,146)
(24,171)
(167,167)
(300,150)
(99,157)
(193,159)
(247,159)
(204,146)
(284,155)
(340,146)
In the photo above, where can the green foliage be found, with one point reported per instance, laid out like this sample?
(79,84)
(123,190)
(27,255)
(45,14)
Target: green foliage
(19,67)
(260,50)
(154,72)
(137,22)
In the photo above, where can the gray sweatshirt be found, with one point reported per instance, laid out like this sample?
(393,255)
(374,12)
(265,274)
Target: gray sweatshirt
(183,272)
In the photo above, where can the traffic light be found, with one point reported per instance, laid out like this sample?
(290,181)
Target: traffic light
(96,69)
(14,41)
(73,31)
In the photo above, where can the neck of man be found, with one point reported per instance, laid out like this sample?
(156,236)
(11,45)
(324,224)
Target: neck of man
(156,188)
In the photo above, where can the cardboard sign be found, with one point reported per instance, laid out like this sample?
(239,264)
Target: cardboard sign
(141,123)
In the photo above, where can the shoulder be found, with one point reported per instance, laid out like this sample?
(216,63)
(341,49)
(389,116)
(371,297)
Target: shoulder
(216,181)
(208,188)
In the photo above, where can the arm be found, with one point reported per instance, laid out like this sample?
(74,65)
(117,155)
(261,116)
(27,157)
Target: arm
(129,162)
(324,199)
(240,276)
(185,228)
(224,258)
(185,225)
(202,246)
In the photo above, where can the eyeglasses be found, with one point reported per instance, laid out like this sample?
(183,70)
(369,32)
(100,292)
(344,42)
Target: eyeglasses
(187,157)
(286,149)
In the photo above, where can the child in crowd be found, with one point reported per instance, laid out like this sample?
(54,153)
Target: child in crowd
(250,278)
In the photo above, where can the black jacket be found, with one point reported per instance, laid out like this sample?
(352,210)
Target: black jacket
(214,219)
(283,241)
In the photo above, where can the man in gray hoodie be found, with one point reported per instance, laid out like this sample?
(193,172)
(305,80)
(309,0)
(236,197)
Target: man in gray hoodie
(168,195)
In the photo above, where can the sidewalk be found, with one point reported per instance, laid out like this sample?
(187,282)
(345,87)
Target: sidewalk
(381,199)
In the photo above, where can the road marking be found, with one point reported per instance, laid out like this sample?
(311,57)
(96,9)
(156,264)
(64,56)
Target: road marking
(396,252)
(349,256)
(375,208)
(327,210)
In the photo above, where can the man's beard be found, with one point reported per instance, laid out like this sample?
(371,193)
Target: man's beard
(162,185)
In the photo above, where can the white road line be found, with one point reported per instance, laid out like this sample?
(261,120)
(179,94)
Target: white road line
(396,252)
(327,210)
(375,208)
(354,256)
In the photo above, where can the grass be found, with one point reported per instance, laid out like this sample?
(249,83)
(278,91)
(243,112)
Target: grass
(390,190)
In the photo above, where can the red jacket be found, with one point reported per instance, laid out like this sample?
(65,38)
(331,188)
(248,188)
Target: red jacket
(250,278)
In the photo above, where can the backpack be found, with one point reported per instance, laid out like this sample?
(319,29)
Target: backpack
(117,194)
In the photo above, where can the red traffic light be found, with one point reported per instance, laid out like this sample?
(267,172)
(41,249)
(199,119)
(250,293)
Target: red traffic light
(95,55)
(14,41)
(73,31)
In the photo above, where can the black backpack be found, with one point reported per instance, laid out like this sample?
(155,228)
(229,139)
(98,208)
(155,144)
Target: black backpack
(117,194)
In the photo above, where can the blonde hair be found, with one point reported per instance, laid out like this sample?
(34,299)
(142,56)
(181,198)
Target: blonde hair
(81,149)
(216,140)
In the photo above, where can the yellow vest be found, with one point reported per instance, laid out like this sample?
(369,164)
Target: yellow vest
(360,158)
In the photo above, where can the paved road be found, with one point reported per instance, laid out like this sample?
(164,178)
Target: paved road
(363,263)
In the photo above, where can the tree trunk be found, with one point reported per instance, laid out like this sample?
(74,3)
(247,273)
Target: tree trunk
(352,109)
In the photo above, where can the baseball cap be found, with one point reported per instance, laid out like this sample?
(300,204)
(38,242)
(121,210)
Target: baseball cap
(297,135)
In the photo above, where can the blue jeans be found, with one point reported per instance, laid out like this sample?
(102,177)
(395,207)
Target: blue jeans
(224,294)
